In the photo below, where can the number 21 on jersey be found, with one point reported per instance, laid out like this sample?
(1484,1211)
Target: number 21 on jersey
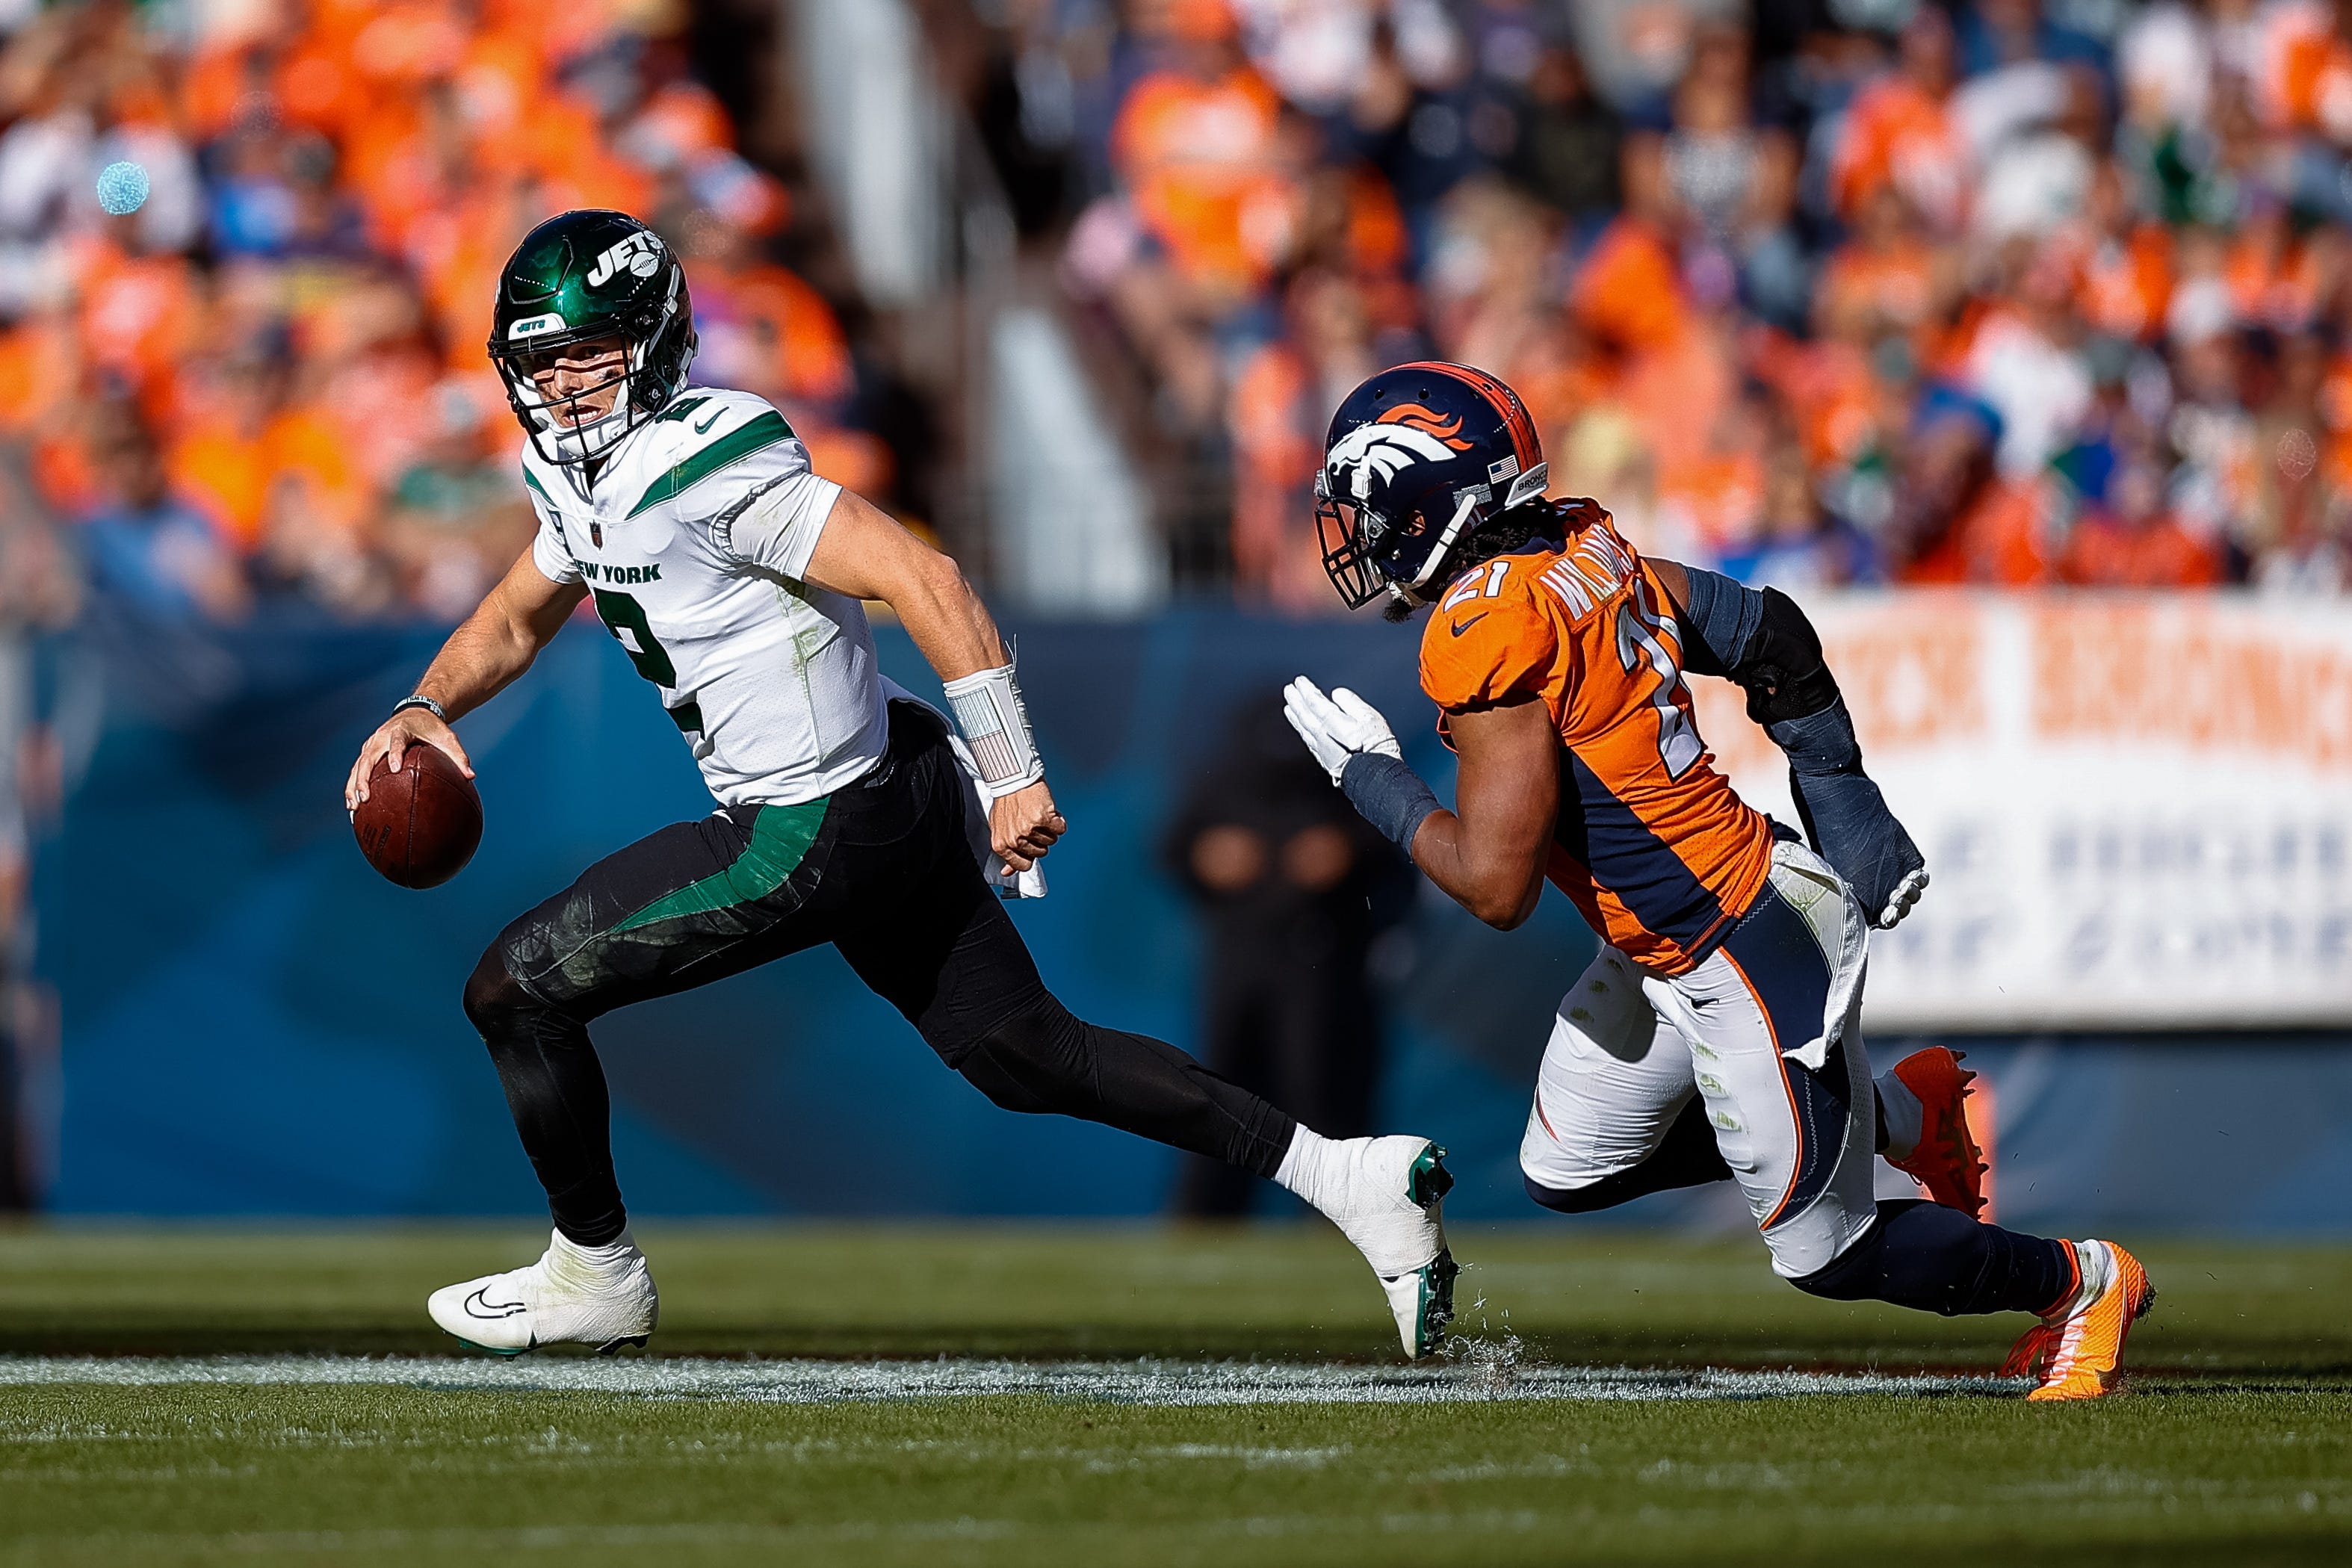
(1483,584)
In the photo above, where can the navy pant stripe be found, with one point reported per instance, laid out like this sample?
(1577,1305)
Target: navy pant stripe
(1775,954)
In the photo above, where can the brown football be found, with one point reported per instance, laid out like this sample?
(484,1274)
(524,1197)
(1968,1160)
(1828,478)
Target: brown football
(421,825)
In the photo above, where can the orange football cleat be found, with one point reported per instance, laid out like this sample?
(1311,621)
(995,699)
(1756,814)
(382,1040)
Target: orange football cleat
(2077,1356)
(1947,1160)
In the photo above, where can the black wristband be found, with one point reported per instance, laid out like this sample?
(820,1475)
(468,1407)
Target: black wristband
(1819,743)
(427,703)
(1389,795)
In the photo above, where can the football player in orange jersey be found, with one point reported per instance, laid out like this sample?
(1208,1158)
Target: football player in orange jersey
(1715,1036)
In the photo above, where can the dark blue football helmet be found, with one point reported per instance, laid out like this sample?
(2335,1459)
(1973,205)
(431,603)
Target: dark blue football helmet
(1422,461)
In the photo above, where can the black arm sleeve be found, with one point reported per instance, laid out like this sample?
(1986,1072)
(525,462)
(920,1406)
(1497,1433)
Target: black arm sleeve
(1717,622)
(1760,641)
(1763,642)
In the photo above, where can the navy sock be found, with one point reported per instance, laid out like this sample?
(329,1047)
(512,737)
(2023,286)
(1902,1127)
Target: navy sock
(1938,1259)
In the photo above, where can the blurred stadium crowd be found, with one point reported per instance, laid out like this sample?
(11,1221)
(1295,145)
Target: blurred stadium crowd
(268,382)
(1816,292)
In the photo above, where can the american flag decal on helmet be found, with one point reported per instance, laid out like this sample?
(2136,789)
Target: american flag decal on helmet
(1509,468)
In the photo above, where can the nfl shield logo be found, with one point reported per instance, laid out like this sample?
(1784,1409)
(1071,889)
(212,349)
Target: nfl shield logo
(596,535)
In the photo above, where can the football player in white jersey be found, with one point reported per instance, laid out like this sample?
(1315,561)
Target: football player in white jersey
(735,578)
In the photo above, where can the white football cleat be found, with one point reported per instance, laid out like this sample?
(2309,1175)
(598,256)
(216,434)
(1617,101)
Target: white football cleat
(1386,1196)
(602,1296)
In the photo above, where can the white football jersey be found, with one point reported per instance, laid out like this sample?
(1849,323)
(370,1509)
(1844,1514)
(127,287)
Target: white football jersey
(692,539)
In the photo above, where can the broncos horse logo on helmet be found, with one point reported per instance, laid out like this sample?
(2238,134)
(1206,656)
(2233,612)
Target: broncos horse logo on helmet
(1427,470)
(1404,435)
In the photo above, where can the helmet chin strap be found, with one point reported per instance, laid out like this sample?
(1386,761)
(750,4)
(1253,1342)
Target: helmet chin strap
(1404,598)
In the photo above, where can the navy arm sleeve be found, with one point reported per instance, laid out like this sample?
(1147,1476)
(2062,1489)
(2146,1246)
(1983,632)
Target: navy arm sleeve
(1763,642)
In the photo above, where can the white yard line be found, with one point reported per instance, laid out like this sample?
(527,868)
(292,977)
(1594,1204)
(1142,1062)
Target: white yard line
(1164,1383)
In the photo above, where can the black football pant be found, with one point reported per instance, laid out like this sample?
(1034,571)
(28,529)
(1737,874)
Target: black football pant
(883,870)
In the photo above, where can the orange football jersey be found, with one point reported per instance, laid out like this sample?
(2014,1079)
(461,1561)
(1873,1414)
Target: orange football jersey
(1652,843)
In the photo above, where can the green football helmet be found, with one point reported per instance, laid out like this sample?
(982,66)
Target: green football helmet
(577,278)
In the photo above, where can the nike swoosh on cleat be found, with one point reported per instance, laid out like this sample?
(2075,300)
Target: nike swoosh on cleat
(1461,626)
(475,1307)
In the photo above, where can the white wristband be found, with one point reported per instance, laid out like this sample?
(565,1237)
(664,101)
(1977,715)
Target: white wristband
(995,724)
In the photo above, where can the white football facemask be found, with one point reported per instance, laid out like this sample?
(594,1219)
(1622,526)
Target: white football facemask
(590,438)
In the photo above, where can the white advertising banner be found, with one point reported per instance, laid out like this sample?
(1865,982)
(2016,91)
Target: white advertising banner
(2137,811)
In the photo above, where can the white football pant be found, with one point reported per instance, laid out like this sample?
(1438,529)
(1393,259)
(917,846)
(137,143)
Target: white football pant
(1629,1050)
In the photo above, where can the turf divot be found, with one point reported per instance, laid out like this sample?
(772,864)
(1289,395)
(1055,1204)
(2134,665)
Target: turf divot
(1145,1383)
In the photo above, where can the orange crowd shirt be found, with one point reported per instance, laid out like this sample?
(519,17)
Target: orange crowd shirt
(1897,132)
(1652,844)
(2125,285)
(1629,291)
(2001,536)
(1895,283)
(1199,159)
(2107,552)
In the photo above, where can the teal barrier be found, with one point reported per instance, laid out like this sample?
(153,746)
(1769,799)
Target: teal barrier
(255,1023)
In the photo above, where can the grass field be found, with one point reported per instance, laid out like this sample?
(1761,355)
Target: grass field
(1047,1396)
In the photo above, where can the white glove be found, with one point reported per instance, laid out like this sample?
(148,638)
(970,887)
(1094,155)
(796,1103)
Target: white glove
(1901,902)
(1337,727)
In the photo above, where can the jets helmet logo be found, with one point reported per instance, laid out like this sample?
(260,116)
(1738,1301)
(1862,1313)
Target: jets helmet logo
(640,254)
(1404,435)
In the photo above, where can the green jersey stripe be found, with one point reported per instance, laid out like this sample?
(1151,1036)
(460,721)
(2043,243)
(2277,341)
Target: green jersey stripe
(531,480)
(781,835)
(737,442)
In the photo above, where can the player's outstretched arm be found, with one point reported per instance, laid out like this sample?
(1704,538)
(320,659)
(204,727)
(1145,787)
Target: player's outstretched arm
(1763,642)
(1489,853)
(496,644)
(864,554)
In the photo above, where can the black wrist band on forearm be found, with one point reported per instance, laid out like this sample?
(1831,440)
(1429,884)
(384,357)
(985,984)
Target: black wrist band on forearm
(1387,795)
(1821,743)
(427,703)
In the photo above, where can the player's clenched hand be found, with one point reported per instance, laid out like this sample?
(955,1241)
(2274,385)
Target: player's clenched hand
(409,727)
(1023,826)
(1338,726)
(1905,897)
(1848,821)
